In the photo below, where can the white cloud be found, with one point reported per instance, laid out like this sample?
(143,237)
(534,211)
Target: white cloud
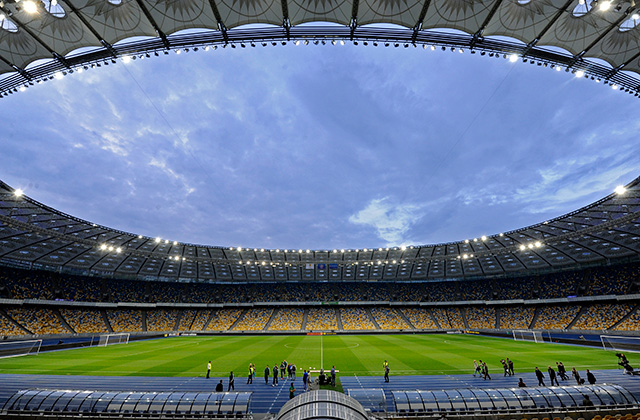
(392,221)
(162,165)
(564,181)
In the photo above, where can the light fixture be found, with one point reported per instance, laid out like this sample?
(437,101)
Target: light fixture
(580,73)
(30,7)
(605,5)
(513,58)
(620,189)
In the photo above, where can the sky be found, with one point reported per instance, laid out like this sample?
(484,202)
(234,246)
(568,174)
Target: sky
(319,147)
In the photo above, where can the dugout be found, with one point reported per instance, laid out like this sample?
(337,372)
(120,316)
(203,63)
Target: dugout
(119,404)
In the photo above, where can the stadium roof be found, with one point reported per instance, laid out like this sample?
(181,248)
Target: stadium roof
(70,34)
(36,236)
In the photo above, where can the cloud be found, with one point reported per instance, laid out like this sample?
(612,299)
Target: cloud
(392,221)
(162,165)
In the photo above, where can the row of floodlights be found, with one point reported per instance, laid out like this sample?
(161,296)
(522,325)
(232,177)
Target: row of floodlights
(579,73)
(619,190)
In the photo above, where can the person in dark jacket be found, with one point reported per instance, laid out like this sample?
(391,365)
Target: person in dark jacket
(267,372)
(576,375)
(590,378)
(275,375)
(552,376)
(219,387)
(540,377)
(232,380)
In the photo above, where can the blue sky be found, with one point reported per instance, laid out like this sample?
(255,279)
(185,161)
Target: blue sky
(319,147)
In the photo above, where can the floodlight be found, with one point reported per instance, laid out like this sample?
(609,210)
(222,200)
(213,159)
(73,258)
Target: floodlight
(30,7)
(513,58)
(239,249)
(484,238)
(538,244)
(620,189)
(58,75)
(522,247)
(605,5)
(158,240)
(126,59)
(103,247)
(635,16)
(175,242)
(580,73)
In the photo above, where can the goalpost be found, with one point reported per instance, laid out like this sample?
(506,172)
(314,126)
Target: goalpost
(528,335)
(109,339)
(620,343)
(20,348)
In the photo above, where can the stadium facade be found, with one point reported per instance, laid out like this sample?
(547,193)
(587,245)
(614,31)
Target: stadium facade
(576,274)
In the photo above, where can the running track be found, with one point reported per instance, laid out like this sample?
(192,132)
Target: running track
(268,399)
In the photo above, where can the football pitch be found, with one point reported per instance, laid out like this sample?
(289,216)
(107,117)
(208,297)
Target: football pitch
(415,354)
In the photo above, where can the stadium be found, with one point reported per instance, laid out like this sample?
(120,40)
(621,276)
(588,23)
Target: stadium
(101,323)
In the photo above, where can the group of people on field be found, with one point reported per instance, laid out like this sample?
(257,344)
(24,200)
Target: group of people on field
(276,374)
(562,373)
(480,369)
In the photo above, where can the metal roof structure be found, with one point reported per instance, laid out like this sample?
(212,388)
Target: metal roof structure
(598,37)
(33,235)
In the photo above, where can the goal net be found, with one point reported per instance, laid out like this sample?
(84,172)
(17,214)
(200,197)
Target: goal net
(528,335)
(620,343)
(20,348)
(109,339)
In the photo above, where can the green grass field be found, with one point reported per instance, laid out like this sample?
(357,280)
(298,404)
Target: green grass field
(351,354)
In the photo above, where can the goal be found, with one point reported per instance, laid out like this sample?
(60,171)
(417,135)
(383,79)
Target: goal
(20,348)
(620,343)
(528,335)
(109,339)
